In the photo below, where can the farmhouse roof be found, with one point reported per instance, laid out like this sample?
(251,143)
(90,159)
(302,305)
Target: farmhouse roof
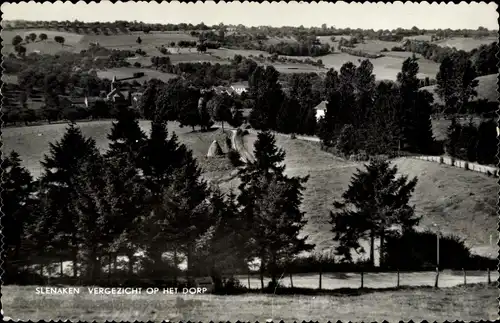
(243,84)
(321,106)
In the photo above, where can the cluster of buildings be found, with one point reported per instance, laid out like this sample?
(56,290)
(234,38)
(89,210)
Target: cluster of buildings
(116,96)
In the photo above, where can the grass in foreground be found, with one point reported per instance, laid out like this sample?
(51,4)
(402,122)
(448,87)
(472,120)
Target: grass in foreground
(469,303)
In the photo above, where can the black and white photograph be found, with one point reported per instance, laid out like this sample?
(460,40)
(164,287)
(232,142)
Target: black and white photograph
(249,162)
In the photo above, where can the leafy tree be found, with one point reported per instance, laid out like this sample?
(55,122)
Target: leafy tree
(271,207)
(301,90)
(375,201)
(138,40)
(32,36)
(17,40)
(456,82)
(205,114)
(452,137)
(347,140)
(487,143)
(364,87)
(288,116)
(383,120)
(219,108)
(20,50)
(60,40)
(268,97)
(415,113)
(147,104)
(331,83)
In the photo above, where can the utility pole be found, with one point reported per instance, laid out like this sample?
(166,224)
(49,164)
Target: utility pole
(438,233)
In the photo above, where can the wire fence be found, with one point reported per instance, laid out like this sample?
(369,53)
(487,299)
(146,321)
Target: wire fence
(375,280)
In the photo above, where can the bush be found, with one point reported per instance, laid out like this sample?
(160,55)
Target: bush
(137,64)
(235,158)
(229,285)
(417,250)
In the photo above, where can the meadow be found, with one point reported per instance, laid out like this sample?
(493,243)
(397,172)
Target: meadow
(384,68)
(465,43)
(464,303)
(486,89)
(32,142)
(459,202)
(124,72)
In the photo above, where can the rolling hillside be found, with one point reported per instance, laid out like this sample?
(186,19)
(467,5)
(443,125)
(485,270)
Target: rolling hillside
(486,89)
(33,142)
(460,202)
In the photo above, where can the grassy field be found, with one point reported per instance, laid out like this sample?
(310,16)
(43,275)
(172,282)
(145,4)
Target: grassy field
(460,202)
(376,46)
(33,142)
(486,89)
(384,68)
(123,72)
(467,44)
(470,303)
(76,42)
(440,126)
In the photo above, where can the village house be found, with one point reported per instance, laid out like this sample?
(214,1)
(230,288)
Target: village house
(321,110)
(239,87)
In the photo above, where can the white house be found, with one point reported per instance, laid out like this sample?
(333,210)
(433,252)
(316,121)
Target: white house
(321,109)
(239,88)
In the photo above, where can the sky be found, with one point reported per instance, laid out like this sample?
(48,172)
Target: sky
(340,15)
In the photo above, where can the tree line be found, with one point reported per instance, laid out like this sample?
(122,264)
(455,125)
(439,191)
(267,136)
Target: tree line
(146,193)
(483,57)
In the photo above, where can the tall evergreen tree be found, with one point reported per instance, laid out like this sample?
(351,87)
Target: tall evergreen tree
(374,201)
(184,207)
(127,192)
(16,195)
(223,248)
(126,137)
(95,229)
(61,168)
(270,204)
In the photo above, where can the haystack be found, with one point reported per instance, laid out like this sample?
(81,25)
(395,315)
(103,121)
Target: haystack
(214,150)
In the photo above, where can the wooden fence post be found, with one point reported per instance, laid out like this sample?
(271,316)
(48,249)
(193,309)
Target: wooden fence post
(437,278)
(465,276)
(489,276)
(362,279)
(291,280)
(398,279)
(320,276)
